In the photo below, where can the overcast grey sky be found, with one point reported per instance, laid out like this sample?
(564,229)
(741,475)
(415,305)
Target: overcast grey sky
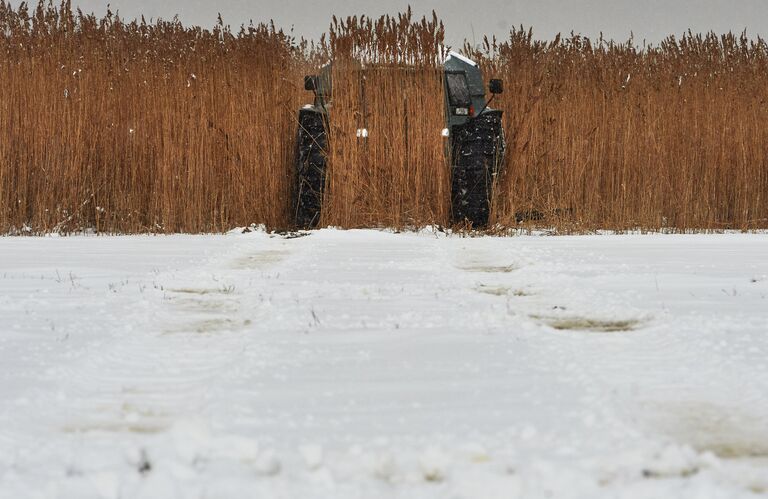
(650,20)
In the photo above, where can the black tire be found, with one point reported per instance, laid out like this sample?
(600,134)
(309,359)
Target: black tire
(310,168)
(477,148)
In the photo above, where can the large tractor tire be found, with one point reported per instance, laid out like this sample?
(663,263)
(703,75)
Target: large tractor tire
(311,146)
(477,149)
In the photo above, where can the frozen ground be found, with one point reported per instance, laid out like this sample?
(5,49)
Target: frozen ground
(369,364)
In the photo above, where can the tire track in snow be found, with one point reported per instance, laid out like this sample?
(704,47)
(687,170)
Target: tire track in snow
(358,335)
(616,409)
(161,364)
(671,400)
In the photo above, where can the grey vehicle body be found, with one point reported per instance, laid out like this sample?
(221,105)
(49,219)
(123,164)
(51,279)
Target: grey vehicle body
(476,140)
(311,147)
(464,90)
(475,146)
(321,86)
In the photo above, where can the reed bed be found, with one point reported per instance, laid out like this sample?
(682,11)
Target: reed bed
(605,135)
(137,127)
(123,126)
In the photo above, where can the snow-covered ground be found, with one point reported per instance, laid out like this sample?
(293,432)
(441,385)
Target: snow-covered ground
(351,364)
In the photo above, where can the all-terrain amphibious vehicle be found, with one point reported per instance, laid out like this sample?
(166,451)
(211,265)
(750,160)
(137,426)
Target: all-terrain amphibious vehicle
(475,143)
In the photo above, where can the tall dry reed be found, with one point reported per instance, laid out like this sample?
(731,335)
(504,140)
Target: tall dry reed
(156,127)
(387,164)
(604,135)
(140,127)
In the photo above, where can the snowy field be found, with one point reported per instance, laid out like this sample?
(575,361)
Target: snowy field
(365,364)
